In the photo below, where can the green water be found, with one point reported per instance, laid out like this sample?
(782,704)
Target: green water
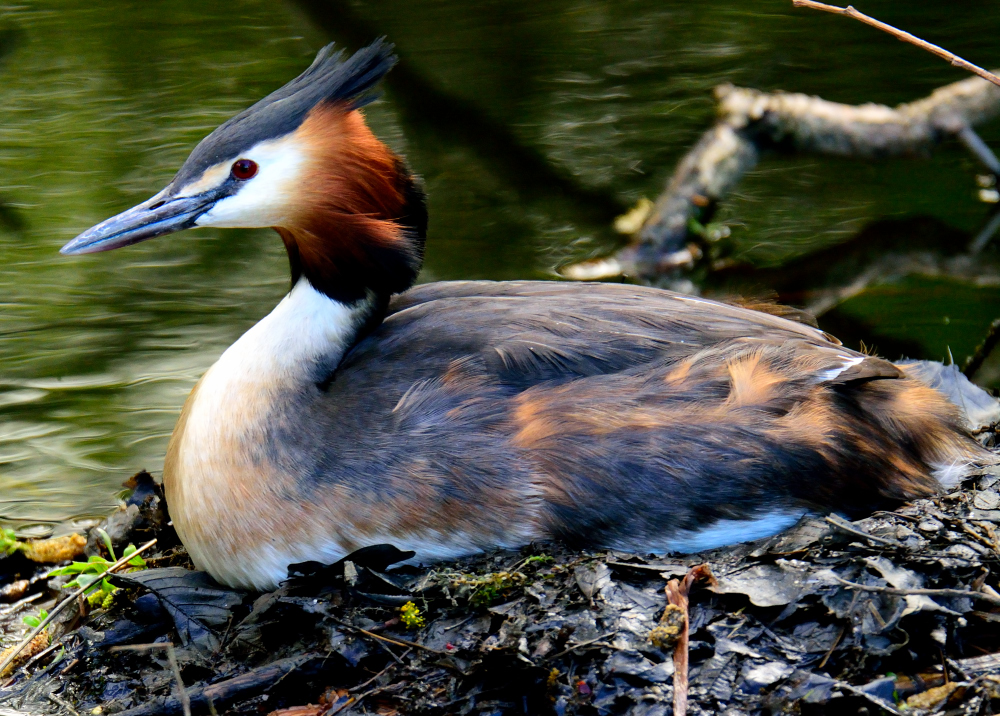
(595,102)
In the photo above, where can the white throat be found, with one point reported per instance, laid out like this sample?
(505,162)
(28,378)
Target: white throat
(305,335)
(223,481)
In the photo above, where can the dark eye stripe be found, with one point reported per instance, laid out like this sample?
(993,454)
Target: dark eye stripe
(244,169)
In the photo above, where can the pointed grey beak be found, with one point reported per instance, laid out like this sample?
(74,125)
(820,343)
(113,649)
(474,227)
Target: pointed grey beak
(154,217)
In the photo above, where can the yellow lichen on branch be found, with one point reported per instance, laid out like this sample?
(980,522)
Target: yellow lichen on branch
(36,645)
(57,549)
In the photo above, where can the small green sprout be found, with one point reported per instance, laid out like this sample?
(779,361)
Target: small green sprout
(491,588)
(35,622)
(410,615)
(711,231)
(540,559)
(8,542)
(99,594)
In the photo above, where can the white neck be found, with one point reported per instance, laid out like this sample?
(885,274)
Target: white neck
(223,459)
(302,340)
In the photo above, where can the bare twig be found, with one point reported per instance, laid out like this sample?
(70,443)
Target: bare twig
(985,234)
(222,693)
(182,693)
(582,644)
(21,603)
(979,149)
(677,595)
(350,701)
(390,652)
(43,653)
(397,640)
(974,362)
(361,687)
(951,57)
(59,702)
(833,647)
(959,593)
(870,697)
(845,526)
(354,700)
(647,567)
(66,602)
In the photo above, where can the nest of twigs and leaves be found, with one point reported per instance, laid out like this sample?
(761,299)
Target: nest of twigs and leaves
(894,613)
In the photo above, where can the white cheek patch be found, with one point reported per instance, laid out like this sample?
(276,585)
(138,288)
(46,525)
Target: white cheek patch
(267,199)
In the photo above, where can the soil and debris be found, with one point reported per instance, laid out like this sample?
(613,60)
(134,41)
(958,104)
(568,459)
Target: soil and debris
(899,612)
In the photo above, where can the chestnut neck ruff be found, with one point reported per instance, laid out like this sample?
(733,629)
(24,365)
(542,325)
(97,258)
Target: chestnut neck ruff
(361,231)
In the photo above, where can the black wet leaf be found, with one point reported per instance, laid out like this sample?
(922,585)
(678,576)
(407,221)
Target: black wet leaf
(194,601)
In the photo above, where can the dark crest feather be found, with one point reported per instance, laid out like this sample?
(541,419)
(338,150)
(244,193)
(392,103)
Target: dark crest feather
(330,78)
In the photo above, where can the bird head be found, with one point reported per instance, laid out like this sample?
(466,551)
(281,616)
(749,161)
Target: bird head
(303,161)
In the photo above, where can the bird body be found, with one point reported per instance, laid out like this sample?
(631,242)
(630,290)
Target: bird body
(457,416)
(481,414)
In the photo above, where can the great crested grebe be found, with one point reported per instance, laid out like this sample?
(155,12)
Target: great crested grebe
(461,415)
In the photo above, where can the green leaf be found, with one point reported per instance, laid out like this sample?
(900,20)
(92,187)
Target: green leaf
(84,580)
(136,561)
(8,542)
(107,543)
(35,622)
(71,568)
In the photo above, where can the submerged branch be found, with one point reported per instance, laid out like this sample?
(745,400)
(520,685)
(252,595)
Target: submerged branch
(751,121)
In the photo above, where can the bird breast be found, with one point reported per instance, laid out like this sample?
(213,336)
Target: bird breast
(226,474)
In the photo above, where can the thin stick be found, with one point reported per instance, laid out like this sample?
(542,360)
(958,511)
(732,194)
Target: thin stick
(677,594)
(960,593)
(983,350)
(983,237)
(870,697)
(59,702)
(979,149)
(397,641)
(66,602)
(648,567)
(390,652)
(845,526)
(43,653)
(361,687)
(833,647)
(18,604)
(901,35)
(182,693)
(582,644)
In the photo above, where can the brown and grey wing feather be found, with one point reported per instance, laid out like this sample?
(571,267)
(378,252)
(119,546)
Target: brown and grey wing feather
(610,413)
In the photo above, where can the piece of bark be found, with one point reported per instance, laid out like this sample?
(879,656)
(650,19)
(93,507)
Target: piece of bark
(223,693)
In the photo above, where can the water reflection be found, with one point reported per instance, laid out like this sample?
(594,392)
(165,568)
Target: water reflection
(531,122)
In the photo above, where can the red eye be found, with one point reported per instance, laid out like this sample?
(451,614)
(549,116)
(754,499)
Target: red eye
(244,169)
